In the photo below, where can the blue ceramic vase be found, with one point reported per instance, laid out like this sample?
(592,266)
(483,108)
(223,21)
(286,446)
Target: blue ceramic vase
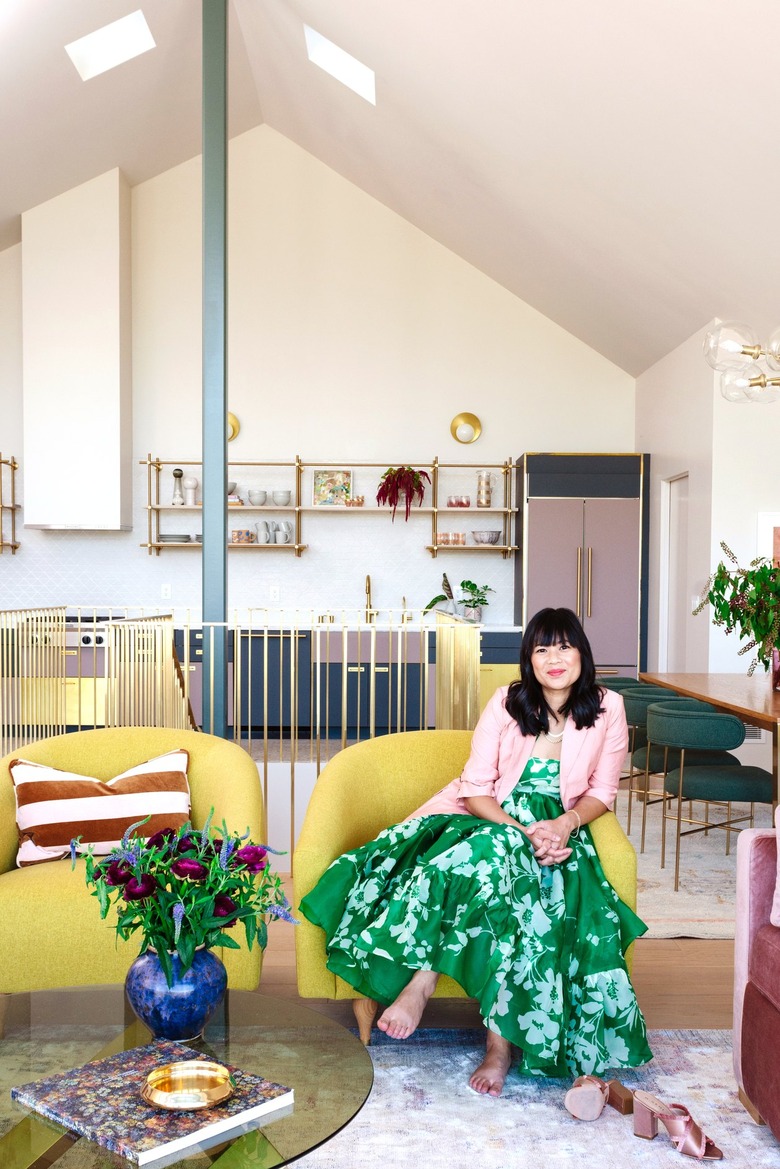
(180,1011)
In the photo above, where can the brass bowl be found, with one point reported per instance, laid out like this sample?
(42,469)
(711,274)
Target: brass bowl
(194,1083)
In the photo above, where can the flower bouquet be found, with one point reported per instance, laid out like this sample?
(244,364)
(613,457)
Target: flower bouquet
(184,889)
(746,600)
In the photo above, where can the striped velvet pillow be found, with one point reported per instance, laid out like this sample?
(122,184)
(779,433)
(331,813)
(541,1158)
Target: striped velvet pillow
(54,806)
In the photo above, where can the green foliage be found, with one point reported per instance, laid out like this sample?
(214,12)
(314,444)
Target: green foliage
(746,600)
(185,888)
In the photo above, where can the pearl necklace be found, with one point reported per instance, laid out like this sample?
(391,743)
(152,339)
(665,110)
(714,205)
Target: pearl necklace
(555,738)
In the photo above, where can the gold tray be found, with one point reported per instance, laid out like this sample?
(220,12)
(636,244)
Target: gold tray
(194,1083)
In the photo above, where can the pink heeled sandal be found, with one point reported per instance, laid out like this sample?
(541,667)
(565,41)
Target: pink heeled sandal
(587,1096)
(678,1122)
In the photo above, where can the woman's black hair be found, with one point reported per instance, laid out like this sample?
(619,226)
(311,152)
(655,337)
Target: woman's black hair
(525,701)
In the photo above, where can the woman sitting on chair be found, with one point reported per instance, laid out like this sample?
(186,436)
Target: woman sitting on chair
(495,880)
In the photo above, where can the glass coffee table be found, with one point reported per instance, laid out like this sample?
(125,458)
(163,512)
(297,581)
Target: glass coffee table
(50,1031)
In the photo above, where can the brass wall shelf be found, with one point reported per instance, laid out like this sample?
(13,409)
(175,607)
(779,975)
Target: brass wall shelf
(444,481)
(8,505)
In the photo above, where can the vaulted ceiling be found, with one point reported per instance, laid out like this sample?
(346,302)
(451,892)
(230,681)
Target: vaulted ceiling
(614,163)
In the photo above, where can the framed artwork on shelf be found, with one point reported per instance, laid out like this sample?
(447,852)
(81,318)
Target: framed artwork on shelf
(331,487)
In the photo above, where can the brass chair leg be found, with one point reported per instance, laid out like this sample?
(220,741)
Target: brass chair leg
(365,1012)
(679,822)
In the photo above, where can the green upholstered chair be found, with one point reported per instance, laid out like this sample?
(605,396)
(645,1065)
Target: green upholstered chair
(368,787)
(616,681)
(649,759)
(49,923)
(669,725)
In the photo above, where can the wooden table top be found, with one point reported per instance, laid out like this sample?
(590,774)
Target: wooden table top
(753,699)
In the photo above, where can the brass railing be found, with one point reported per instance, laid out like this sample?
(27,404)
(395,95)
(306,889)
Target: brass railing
(300,684)
(51,683)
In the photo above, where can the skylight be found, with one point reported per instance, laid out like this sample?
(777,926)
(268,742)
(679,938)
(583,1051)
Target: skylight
(111,45)
(345,68)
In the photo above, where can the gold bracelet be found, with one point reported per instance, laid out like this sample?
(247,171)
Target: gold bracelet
(574,812)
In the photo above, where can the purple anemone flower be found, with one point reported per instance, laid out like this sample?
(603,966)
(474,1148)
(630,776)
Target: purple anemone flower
(139,890)
(187,844)
(116,873)
(253,857)
(226,907)
(161,838)
(189,870)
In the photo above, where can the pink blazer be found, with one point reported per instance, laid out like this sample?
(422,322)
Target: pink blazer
(591,758)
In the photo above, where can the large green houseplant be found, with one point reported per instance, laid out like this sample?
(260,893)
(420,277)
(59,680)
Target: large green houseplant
(747,601)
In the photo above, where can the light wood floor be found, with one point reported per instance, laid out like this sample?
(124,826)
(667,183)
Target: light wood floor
(680,983)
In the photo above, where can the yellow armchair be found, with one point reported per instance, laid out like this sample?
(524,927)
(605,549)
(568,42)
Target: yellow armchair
(48,921)
(374,784)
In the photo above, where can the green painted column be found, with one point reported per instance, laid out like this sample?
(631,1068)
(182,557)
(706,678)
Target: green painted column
(215,657)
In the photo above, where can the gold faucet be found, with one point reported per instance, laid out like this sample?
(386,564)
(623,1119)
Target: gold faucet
(369,610)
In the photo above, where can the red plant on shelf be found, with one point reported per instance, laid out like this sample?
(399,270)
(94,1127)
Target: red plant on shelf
(399,483)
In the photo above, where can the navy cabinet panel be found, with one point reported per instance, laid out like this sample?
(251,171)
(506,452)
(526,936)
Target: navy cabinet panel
(497,648)
(353,688)
(275,678)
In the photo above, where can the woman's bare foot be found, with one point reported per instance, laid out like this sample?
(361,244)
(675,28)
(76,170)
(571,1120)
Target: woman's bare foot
(402,1017)
(491,1073)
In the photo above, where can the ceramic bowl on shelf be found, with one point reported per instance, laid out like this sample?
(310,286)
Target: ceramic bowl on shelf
(487,536)
(174,538)
(231,487)
(282,498)
(257,497)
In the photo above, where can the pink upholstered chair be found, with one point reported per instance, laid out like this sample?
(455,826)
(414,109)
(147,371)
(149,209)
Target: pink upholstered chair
(757,977)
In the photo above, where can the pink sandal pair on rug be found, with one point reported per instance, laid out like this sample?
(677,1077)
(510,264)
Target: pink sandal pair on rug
(587,1096)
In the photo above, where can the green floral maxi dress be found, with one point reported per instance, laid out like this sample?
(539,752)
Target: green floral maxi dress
(539,947)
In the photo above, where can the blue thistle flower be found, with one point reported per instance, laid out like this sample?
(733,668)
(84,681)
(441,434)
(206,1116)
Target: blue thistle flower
(204,836)
(131,829)
(178,917)
(283,911)
(225,852)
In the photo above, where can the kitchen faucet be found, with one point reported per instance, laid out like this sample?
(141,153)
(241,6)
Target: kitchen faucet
(369,610)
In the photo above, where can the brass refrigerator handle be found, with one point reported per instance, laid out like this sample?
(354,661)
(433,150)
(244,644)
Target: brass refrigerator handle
(579,580)
(590,578)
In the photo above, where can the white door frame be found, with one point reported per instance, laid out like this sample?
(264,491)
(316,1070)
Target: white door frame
(664,583)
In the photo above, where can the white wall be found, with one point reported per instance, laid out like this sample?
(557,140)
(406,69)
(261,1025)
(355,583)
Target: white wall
(353,337)
(728,451)
(745,483)
(674,423)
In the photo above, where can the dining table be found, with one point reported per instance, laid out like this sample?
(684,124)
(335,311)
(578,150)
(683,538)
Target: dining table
(751,698)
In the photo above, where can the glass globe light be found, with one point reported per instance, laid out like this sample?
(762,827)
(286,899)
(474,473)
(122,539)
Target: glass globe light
(735,382)
(773,350)
(726,344)
(763,392)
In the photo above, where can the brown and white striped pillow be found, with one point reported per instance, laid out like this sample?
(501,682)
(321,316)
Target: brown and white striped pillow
(53,807)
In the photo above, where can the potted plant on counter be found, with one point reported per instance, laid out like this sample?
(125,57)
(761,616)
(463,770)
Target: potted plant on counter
(472,599)
(748,600)
(402,483)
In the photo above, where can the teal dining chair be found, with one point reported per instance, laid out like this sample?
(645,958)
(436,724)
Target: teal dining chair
(670,726)
(649,759)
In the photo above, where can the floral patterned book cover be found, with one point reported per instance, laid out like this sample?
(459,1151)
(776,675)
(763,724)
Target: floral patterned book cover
(102,1101)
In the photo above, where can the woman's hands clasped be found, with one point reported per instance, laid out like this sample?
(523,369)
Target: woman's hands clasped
(549,839)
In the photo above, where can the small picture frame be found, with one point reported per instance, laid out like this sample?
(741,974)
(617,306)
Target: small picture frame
(331,487)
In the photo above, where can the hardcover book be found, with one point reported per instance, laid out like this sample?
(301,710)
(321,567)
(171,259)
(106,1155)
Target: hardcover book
(102,1101)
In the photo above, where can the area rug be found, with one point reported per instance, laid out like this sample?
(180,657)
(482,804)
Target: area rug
(421,1112)
(703,906)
